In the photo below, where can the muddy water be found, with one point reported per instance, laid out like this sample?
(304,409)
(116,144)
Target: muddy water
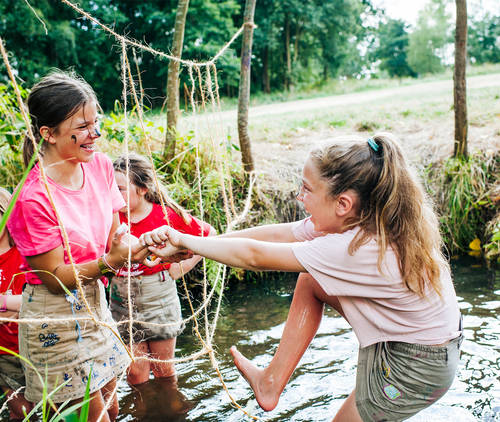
(253,318)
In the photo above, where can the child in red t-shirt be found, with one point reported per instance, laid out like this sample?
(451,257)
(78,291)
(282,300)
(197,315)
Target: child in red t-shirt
(155,302)
(11,287)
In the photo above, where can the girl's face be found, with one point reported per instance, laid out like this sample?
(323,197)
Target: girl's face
(74,139)
(137,200)
(317,201)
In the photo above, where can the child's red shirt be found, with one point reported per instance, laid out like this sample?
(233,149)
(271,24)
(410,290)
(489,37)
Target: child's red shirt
(11,282)
(152,221)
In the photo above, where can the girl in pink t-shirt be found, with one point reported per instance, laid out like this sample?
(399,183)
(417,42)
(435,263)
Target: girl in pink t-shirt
(371,249)
(67,345)
(156,308)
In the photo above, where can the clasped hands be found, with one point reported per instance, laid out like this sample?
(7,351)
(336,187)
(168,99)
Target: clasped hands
(151,248)
(165,244)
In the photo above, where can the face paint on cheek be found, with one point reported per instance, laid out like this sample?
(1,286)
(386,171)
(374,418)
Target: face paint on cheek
(74,138)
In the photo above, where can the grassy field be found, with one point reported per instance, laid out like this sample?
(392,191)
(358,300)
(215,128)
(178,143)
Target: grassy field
(418,112)
(345,86)
(420,115)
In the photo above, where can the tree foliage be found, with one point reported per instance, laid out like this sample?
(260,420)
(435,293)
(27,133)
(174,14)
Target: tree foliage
(297,44)
(393,48)
(425,50)
(483,43)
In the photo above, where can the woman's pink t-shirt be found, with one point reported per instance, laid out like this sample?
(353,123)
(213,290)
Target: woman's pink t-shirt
(379,307)
(86,214)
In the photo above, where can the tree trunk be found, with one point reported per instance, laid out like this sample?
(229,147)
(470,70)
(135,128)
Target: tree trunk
(265,71)
(173,80)
(288,77)
(244,88)
(296,46)
(325,72)
(459,89)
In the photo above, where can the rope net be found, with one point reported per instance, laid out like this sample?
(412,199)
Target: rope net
(208,133)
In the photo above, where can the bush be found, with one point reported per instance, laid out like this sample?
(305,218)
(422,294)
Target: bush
(12,129)
(463,192)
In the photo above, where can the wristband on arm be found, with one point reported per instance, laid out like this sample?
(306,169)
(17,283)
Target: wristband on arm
(3,308)
(104,267)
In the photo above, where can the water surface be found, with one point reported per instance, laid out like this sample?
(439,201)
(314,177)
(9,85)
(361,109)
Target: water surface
(253,316)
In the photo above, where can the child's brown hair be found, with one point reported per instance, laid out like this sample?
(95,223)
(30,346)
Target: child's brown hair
(141,174)
(393,206)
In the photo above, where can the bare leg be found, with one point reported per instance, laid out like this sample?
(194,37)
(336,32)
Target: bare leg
(302,323)
(96,406)
(348,412)
(109,391)
(17,403)
(138,371)
(164,350)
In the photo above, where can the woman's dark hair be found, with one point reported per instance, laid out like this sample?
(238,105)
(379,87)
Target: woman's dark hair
(52,100)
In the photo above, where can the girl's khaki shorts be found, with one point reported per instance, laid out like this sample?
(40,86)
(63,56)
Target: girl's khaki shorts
(11,372)
(396,380)
(156,309)
(72,350)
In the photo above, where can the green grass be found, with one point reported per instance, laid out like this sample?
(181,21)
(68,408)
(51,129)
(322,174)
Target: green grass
(462,190)
(46,409)
(424,115)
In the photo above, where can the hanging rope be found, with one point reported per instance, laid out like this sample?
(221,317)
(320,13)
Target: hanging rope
(209,91)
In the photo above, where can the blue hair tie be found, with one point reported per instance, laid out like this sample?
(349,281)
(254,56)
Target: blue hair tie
(373,145)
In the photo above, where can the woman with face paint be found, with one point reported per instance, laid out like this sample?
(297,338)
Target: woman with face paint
(73,349)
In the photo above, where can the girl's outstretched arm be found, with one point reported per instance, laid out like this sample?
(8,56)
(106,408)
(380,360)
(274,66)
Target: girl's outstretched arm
(11,302)
(51,268)
(244,253)
(281,233)
(178,269)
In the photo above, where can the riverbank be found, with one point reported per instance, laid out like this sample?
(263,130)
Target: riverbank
(419,115)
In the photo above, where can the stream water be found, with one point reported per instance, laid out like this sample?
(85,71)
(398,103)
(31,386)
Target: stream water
(252,317)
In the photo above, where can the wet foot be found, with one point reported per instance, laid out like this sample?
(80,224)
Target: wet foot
(263,385)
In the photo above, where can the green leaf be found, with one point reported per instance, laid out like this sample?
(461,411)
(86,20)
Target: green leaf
(12,202)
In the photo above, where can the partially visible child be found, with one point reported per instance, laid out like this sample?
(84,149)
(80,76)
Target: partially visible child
(11,287)
(153,290)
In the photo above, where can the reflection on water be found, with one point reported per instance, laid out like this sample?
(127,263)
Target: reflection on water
(158,399)
(253,317)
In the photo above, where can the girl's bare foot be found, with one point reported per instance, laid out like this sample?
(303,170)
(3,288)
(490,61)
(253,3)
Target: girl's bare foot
(265,387)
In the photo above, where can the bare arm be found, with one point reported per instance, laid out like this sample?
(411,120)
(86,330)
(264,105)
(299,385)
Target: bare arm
(114,226)
(13,305)
(9,315)
(244,253)
(281,233)
(177,270)
(12,302)
(50,266)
